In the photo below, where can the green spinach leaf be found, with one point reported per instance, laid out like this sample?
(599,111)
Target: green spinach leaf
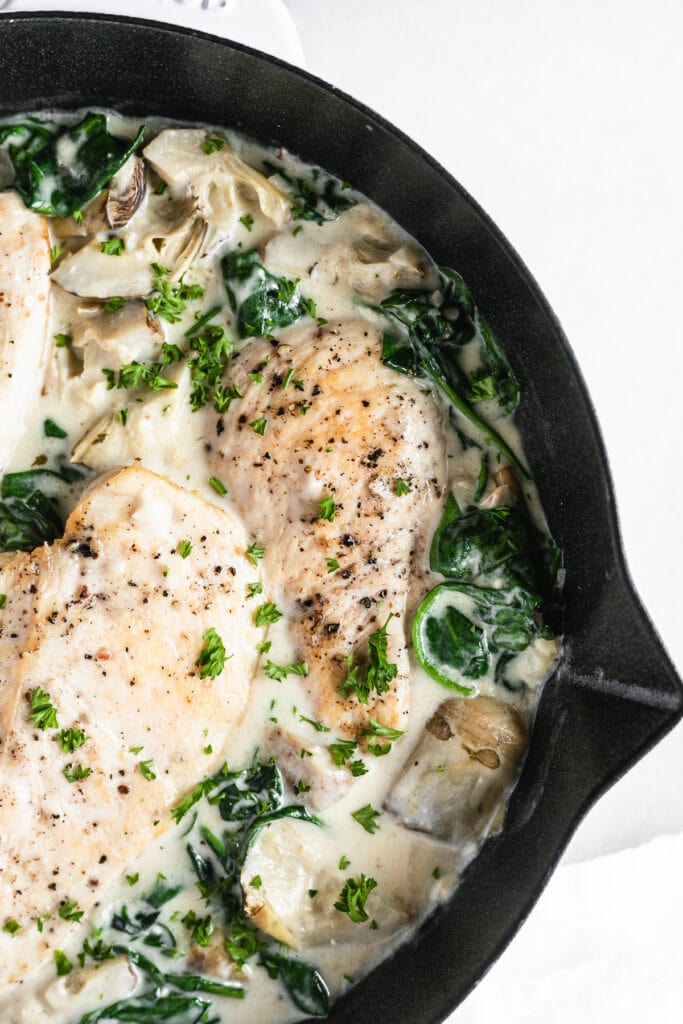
(430,332)
(318,200)
(261,301)
(28,516)
(59,169)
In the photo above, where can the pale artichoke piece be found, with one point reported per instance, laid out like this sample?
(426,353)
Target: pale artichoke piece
(160,428)
(92,273)
(361,249)
(113,207)
(174,234)
(169,232)
(505,490)
(454,784)
(284,865)
(328,783)
(113,339)
(219,180)
(94,435)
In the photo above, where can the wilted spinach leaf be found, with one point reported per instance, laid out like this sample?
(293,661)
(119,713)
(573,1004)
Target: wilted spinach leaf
(484,544)
(433,327)
(515,599)
(152,1008)
(28,516)
(304,983)
(261,301)
(318,200)
(59,169)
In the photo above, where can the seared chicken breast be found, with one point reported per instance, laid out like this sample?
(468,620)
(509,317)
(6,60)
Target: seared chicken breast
(24,289)
(335,463)
(110,628)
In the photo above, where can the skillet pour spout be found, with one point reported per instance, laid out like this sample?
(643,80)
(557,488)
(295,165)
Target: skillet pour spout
(614,692)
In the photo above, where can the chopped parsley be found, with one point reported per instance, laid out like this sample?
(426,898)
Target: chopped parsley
(342,751)
(3,599)
(63,340)
(376,674)
(52,429)
(137,375)
(358,768)
(218,486)
(402,487)
(69,911)
(122,416)
(255,553)
(259,426)
(55,252)
(256,882)
(114,303)
(266,614)
(11,927)
(201,790)
(212,657)
(376,729)
(308,306)
(367,817)
(62,963)
(344,862)
(211,350)
(212,143)
(113,247)
(43,713)
(254,588)
(353,897)
(280,672)
(264,647)
(147,770)
(327,508)
(133,879)
(71,739)
(302,787)
(76,772)
(184,548)
(247,220)
(332,564)
(289,378)
(318,726)
(169,301)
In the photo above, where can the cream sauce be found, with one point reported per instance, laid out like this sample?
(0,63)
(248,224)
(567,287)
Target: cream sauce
(413,871)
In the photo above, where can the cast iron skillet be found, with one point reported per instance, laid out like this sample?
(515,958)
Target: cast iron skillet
(615,692)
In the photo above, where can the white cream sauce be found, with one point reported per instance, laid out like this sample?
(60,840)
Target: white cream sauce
(413,872)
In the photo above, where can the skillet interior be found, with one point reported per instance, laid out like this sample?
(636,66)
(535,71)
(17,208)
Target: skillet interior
(615,693)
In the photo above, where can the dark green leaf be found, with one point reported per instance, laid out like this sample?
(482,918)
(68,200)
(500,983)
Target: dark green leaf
(317,200)
(152,1009)
(57,185)
(305,985)
(262,301)
(432,329)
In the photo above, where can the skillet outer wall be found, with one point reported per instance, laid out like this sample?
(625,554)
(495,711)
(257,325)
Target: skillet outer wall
(615,692)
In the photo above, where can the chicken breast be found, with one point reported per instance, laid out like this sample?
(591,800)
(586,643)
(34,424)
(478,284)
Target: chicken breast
(334,458)
(108,627)
(24,291)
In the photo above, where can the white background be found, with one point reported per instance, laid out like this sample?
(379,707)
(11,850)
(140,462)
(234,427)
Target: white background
(564,120)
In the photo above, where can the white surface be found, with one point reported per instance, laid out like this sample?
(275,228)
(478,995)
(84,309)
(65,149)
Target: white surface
(563,121)
(264,24)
